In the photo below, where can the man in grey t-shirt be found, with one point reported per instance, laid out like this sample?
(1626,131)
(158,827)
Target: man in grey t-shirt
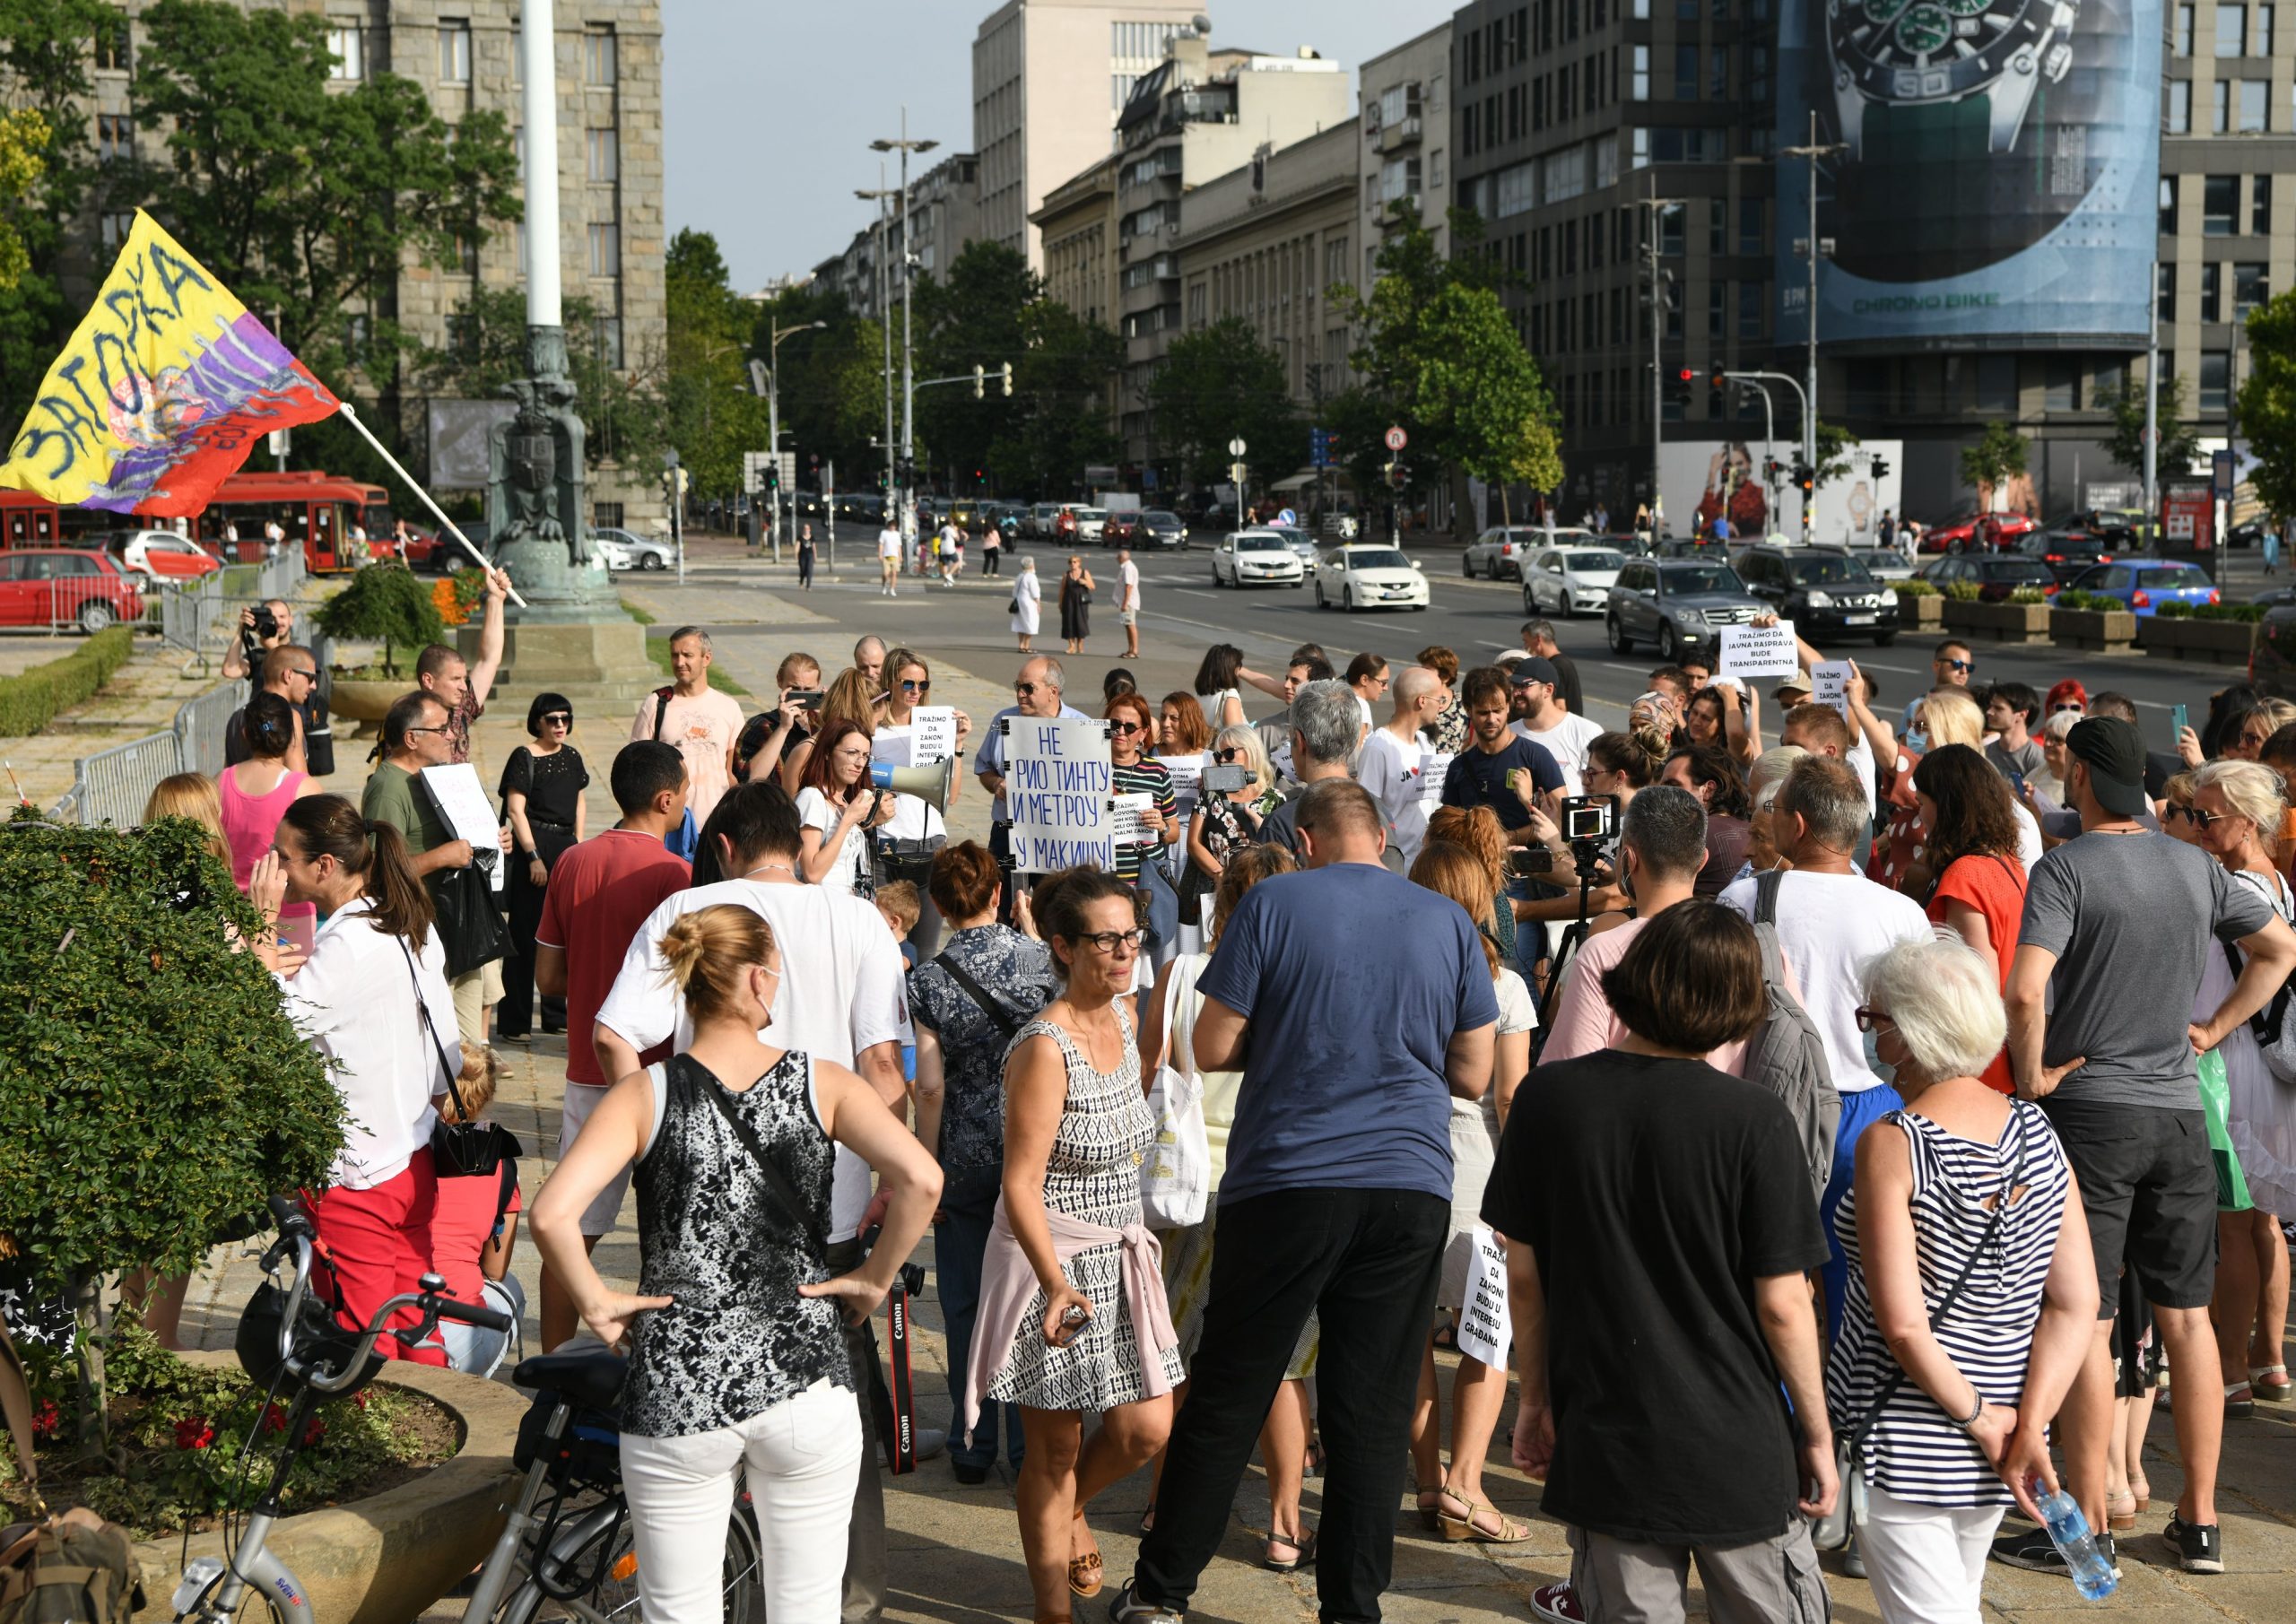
(2118,925)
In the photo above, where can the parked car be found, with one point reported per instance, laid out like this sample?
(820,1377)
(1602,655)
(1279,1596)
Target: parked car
(1564,580)
(1121,529)
(1994,575)
(1825,592)
(1499,552)
(1216,518)
(1369,576)
(1884,563)
(1087,522)
(2069,550)
(162,555)
(1681,606)
(628,549)
(54,587)
(1974,531)
(2145,584)
(2119,528)
(1261,557)
(1161,528)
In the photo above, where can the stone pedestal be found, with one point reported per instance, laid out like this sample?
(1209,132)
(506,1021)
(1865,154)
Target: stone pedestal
(593,662)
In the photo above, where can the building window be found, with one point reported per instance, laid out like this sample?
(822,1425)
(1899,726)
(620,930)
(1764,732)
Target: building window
(1640,88)
(2183,43)
(2220,115)
(346,42)
(2168,206)
(598,56)
(1685,73)
(1335,259)
(2260,205)
(2164,291)
(609,515)
(605,342)
(115,137)
(2260,44)
(2216,381)
(2176,107)
(1997,382)
(1750,238)
(605,248)
(1717,295)
(2061,384)
(1435,169)
(1717,226)
(2253,92)
(2219,201)
(454,53)
(114,228)
(111,45)
(1670,231)
(605,147)
(2211,292)
(1752,297)
(2231,31)
(2248,289)
(1717,75)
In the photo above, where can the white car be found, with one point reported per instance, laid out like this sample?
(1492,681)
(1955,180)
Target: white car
(1089,522)
(1369,576)
(627,549)
(162,555)
(1570,579)
(1499,552)
(1256,557)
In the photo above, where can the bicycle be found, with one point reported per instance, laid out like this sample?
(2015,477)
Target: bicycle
(577,1553)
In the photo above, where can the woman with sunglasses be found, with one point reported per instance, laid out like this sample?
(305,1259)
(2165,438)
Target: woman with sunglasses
(1131,729)
(1067,1258)
(542,801)
(906,845)
(1225,820)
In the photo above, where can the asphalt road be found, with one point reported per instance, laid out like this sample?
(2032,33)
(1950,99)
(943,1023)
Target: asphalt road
(1477,620)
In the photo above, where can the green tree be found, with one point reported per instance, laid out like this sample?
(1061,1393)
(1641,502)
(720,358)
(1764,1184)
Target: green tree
(976,316)
(1217,384)
(832,383)
(1834,442)
(1061,390)
(2267,402)
(1997,456)
(1480,395)
(712,416)
(2179,440)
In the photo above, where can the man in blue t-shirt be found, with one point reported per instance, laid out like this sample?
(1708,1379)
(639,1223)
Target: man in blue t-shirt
(1481,774)
(1356,1004)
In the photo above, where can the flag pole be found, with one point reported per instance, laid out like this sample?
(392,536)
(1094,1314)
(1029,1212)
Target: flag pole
(383,451)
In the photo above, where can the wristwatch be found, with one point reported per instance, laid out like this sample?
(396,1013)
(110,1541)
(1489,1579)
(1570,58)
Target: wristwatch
(1925,79)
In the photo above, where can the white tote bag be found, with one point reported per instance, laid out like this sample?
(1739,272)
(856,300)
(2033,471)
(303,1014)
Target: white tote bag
(1175,1176)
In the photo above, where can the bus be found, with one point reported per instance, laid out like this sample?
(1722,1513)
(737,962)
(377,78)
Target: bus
(317,511)
(29,519)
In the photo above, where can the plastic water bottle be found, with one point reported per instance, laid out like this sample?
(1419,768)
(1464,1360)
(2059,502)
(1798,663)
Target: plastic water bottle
(2068,1530)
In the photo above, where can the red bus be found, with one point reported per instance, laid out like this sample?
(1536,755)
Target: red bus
(29,519)
(325,514)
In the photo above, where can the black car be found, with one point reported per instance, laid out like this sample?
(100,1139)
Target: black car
(2068,549)
(1160,528)
(1995,575)
(860,508)
(1825,592)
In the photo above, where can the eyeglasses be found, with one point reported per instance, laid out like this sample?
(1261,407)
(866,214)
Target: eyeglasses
(413,731)
(1869,1020)
(1108,942)
(924,687)
(565,719)
(1126,727)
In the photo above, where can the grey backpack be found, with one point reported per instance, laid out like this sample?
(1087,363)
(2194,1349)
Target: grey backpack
(1786,1054)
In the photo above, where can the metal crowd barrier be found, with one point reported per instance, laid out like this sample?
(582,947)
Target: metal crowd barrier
(111,786)
(201,723)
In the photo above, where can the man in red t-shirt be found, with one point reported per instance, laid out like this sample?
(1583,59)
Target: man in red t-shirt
(599,894)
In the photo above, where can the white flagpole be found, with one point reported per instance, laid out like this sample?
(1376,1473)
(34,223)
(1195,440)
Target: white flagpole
(352,415)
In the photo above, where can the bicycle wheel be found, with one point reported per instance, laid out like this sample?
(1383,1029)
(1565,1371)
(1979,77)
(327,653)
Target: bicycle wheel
(614,1596)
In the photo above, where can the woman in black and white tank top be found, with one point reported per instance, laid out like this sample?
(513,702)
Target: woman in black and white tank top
(1972,1297)
(737,1364)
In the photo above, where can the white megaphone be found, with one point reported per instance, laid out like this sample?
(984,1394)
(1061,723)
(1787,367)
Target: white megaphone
(930,785)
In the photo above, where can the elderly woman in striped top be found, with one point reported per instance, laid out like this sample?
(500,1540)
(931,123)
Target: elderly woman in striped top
(1973,1297)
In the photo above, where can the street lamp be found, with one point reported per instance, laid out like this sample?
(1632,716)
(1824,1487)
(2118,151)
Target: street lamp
(881,196)
(773,417)
(905,146)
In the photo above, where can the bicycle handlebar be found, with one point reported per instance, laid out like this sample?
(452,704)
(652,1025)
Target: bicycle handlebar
(295,1228)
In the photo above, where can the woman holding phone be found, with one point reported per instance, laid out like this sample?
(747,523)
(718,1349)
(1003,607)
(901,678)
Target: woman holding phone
(1067,1256)
(840,808)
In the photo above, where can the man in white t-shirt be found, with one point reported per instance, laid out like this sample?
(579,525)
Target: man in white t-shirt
(1392,764)
(1830,922)
(888,559)
(1539,719)
(843,997)
(1128,602)
(695,719)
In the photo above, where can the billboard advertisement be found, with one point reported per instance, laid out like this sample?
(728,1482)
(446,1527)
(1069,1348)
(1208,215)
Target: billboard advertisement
(1997,172)
(1703,478)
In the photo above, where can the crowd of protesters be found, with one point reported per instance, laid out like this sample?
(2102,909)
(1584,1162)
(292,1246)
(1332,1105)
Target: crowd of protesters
(1907,1084)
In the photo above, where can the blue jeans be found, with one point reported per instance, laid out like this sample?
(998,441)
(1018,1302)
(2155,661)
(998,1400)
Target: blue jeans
(1859,1111)
(960,1241)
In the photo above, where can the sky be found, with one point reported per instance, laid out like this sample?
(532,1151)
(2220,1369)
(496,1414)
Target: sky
(769,106)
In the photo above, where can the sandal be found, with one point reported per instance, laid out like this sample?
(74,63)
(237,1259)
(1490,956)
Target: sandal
(2270,1383)
(1303,1551)
(2239,1400)
(1431,1505)
(1509,1532)
(1085,1575)
(2120,1511)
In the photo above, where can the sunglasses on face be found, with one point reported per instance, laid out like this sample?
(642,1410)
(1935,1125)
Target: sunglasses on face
(1024,689)
(1126,727)
(565,719)
(1959,664)
(2197,817)
(913,687)
(2075,709)
(1226,756)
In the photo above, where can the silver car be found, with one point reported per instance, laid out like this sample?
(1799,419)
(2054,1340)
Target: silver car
(1570,580)
(1089,522)
(627,549)
(1258,557)
(1500,551)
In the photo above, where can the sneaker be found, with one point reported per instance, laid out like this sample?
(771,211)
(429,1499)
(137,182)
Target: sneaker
(930,1442)
(1124,1608)
(1557,1604)
(2199,1546)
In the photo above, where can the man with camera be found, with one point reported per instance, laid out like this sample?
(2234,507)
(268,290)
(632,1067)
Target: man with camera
(266,629)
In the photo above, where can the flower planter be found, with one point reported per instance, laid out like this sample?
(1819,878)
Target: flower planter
(2002,622)
(350,699)
(2214,642)
(1920,612)
(2106,631)
(385,1558)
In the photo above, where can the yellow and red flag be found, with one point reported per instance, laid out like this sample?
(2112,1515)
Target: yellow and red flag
(164,389)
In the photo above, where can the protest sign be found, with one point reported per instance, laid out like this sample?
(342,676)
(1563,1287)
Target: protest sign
(1830,684)
(1187,777)
(1056,783)
(1124,819)
(1433,767)
(894,746)
(1759,651)
(460,796)
(936,735)
(1485,1331)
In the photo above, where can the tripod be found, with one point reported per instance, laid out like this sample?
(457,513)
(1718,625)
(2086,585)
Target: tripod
(1584,855)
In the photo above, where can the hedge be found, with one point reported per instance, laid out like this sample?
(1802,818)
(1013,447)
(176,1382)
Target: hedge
(2211,612)
(31,700)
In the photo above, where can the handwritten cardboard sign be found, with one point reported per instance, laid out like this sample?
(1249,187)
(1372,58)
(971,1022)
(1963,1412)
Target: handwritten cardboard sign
(1058,777)
(1830,684)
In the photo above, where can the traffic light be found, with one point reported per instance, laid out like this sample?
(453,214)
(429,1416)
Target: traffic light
(1007,371)
(1880,468)
(1772,471)
(1678,392)
(773,476)
(1396,477)
(979,375)
(1806,478)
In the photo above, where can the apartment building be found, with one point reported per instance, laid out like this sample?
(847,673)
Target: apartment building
(1405,103)
(464,54)
(1038,116)
(1077,225)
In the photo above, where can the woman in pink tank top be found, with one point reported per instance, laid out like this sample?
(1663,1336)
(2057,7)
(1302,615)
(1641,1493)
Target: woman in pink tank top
(256,792)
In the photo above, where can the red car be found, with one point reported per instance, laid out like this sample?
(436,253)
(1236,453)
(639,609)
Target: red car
(1977,532)
(162,555)
(56,587)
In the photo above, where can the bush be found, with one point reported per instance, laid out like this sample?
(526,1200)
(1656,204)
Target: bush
(31,700)
(1916,589)
(2226,612)
(2028,595)
(384,603)
(2174,612)
(2095,603)
(1964,592)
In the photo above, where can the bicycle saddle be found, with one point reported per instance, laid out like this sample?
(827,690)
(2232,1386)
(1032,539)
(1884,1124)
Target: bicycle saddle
(590,1377)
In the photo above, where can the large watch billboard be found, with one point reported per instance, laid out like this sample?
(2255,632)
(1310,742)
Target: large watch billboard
(1998,171)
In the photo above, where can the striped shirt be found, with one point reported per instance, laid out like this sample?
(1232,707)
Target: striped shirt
(1147,777)
(1913,1449)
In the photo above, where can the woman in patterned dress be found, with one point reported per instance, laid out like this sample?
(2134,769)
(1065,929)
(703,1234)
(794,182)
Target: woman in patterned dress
(738,1366)
(1076,1128)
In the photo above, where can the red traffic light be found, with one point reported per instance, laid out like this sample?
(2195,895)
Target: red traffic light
(1685,375)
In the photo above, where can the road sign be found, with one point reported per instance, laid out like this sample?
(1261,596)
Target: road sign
(2222,464)
(1236,447)
(1397,439)
(788,470)
(1319,448)
(754,470)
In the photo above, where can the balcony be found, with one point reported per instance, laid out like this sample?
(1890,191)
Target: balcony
(1403,132)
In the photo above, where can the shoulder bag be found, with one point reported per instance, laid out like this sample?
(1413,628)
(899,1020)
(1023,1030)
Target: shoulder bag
(1175,1176)
(995,1011)
(470,926)
(463,1149)
(73,1568)
(1832,1531)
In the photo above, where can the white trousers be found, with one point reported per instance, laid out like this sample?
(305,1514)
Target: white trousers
(802,1456)
(1926,1562)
